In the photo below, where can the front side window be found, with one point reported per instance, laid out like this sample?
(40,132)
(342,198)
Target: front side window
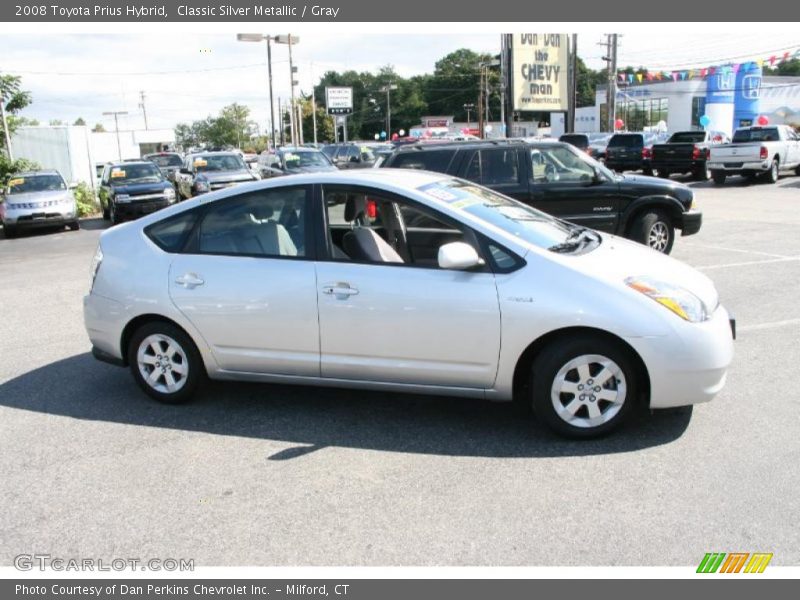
(269,223)
(560,164)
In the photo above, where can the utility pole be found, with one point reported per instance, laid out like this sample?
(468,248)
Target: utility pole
(116,114)
(506,42)
(292,82)
(313,104)
(611,86)
(481,124)
(5,127)
(388,89)
(144,110)
(572,91)
(280,124)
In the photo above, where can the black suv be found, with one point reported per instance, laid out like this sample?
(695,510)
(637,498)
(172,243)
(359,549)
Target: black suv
(565,182)
(133,188)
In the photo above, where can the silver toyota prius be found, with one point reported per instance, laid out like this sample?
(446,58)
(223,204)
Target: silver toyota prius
(409,281)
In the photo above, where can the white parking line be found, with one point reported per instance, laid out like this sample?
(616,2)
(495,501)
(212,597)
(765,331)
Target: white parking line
(772,325)
(723,248)
(748,263)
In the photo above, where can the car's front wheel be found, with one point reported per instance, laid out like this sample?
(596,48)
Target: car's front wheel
(655,229)
(584,387)
(774,172)
(165,362)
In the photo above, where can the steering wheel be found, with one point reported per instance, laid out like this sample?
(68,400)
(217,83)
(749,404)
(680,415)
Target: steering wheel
(550,173)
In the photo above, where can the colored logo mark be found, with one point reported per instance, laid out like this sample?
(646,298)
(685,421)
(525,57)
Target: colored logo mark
(734,562)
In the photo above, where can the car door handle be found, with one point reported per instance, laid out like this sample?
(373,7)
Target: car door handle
(189,280)
(341,290)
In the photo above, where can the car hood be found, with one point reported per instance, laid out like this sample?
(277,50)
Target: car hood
(213,176)
(643,185)
(57,195)
(616,259)
(141,188)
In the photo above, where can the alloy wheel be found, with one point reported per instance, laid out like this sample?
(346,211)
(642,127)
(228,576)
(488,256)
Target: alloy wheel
(162,363)
(658,238)
(588,391)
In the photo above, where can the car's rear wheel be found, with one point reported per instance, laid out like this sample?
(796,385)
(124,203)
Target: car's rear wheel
(663,173)
(584,387)
(718,177)
(165,362)
(654,228)
(774,171)
(74,226)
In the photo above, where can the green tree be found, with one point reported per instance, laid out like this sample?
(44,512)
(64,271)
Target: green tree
(14,99)
(98,128)
(56,122)
(786,69)
(79,121)
(456,82)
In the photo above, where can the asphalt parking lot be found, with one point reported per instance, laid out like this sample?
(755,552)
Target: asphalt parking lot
(274,475)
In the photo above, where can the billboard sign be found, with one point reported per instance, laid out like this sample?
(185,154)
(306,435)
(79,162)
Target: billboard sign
(339,100)
(539,76)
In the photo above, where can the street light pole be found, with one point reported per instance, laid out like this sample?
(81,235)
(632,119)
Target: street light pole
(469,107)
(116,114)
(290,39)
(259,37)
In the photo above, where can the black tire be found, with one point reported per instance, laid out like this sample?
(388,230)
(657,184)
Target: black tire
(654,228)
(551,368)
(106,213)
(115,220)
(648,171)
(774,172)
(662,173)
(718,177)
(797,170)
(9,231)
(74,226)
(701,174)
(164,335)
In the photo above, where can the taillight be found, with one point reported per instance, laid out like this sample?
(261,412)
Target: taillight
(372,209)
(647,153)
(695,153)
(764,152)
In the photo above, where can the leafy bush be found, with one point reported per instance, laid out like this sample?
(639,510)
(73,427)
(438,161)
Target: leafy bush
(9,167)
(85,200)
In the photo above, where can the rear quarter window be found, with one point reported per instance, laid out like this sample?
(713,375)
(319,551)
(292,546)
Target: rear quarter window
(171,234)
(436,160)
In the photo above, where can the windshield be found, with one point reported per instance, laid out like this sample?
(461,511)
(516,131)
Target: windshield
(218,162)
(303,159)
(166,160)
(36,183)
(688,137)
(514,218)
(135,173)
(756,135)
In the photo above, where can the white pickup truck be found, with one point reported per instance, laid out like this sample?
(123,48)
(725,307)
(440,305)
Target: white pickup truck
(756,151)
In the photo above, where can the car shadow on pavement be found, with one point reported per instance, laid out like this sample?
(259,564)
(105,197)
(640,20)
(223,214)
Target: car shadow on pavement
(314,418)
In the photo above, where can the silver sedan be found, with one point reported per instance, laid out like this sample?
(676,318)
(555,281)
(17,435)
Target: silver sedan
(405,281)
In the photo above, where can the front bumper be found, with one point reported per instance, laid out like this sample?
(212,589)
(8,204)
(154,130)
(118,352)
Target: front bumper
(692,366)
(692,221)
(45,217)
(138,208)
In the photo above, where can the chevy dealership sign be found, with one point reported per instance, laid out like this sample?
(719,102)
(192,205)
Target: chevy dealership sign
(339,100)
(539,71)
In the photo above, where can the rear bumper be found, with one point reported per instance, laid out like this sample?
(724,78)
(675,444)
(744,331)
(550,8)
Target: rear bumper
(732,167)
(627,165)
(692,221)
(679,166)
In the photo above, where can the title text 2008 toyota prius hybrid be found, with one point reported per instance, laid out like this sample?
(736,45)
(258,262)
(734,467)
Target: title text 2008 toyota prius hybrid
(404,281)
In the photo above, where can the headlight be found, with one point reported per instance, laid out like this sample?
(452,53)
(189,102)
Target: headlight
(679,300)
(122,198)
(201,186)
(96,260)
(169,194)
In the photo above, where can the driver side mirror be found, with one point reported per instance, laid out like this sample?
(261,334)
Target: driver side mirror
(598,176)
(459,256)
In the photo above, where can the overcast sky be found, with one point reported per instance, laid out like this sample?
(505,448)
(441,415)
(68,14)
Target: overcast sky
(188,76)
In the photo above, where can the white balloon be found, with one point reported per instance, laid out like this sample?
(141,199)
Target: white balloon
(488,129)
(402,132)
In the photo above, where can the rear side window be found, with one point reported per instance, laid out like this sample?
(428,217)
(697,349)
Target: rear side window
(756,135)
(436,160)
(494,167)
(626,141)
(170,234)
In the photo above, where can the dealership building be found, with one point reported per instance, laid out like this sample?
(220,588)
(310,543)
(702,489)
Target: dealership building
(729,100)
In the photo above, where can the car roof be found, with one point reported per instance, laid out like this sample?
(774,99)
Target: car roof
(128,162)
(456,145)
(215,153)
